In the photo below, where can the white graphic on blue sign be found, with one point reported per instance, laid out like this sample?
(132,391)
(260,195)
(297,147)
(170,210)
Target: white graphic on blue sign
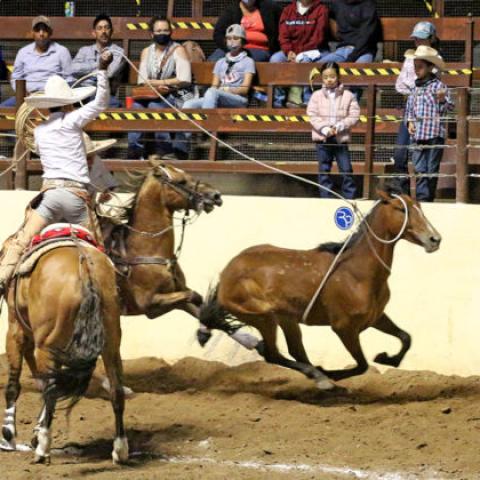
(344,218)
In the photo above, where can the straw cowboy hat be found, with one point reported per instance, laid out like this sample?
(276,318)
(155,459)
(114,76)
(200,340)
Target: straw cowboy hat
(97,146)
(58,93)
(428,54)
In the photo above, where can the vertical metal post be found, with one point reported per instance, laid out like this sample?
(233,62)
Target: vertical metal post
(462,145)
(369,141)
(21,173)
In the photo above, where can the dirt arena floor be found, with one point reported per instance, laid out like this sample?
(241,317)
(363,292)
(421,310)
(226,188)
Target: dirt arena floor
(204,420)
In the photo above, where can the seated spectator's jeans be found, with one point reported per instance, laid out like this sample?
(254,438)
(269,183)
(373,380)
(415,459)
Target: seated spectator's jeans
(341,54)
(215,98)
(9,102)
(256,53)
(326,153)
(163,140)
(400,158)
(427,160)
(280,94)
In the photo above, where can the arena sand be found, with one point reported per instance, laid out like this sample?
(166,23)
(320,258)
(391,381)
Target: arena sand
(204,420)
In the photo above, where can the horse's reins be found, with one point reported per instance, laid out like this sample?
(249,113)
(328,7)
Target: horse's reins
(369,231)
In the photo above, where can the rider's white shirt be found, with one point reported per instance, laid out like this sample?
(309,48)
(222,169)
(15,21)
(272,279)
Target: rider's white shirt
(59,140)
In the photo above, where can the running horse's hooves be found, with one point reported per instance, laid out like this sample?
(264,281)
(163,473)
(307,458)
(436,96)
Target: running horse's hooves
(203,336)
(385,359)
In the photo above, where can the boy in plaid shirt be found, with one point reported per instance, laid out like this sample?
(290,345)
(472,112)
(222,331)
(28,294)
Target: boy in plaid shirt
(426,107)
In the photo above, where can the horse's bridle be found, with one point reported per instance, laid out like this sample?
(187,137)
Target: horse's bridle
(193,196)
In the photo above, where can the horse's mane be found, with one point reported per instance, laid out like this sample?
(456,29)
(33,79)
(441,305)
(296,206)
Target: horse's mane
(335,247)
(135,179)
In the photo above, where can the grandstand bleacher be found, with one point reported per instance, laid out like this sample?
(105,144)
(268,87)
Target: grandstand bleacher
(271,135)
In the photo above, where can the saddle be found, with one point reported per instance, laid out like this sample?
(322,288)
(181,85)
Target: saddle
(55,236)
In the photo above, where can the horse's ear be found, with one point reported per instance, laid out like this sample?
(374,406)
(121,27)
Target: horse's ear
(383,196)
(155,161)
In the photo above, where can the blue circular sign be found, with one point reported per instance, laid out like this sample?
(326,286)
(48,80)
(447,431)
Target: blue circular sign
(344,218)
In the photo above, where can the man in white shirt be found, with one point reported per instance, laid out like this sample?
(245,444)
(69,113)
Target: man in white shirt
(60,144)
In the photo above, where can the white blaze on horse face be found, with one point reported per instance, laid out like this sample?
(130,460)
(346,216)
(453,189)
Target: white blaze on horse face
(166,172)
(429,237)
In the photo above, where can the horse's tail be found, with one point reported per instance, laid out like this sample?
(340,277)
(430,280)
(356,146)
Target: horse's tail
(214,316)
(74,365)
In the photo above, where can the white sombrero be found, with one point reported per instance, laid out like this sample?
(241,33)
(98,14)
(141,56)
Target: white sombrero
(58,93)
(97,146)
(428,54)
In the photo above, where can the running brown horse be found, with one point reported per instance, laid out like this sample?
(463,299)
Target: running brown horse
(152,282)
(267,286)
(62,316)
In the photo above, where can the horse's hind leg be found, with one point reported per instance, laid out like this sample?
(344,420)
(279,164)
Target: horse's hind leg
(351,341)
(385,325)
(268,329)
(113,368)
(15,347)
(43,434)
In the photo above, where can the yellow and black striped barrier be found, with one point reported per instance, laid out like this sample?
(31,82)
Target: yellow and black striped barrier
(152,116)
(385,71)
(304,118)
(236,118)
(430,8)
(180,25)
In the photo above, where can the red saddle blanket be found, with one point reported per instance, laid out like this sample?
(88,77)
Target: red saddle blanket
(63,231)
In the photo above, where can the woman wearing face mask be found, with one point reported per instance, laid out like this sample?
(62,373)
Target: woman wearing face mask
(259,19)
(232,75)
(166,65)
(424,33)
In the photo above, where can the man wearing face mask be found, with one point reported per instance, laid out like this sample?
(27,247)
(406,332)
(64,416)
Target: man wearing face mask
(40,59)
(259,19)
(166,65)
(232,75)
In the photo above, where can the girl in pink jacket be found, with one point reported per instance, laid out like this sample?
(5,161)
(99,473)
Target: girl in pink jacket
(333,111)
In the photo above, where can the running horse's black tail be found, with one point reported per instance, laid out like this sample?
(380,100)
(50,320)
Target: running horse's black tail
(74,365)
(214,316)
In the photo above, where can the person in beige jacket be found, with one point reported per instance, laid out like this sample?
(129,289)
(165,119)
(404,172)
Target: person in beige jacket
(333,112)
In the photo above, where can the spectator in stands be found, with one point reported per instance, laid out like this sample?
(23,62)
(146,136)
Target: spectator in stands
(39,60)
(358,31)
(166,65)
(86,60)
(232,75)
(423,33)
(333,112)
(303,31)
(426,107)
(259,18)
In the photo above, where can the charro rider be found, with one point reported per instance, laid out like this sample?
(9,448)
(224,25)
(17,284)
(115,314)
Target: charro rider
(61,146)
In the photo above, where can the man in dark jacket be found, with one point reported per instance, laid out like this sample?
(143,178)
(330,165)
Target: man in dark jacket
(303,32)
(358,31)
(260,20)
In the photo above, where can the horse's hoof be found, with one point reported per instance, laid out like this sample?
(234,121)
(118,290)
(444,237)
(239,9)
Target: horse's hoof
(120,450)
(41,459)
(260,348)
(385,359)
(8,433)
(325,384)
(203,336)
